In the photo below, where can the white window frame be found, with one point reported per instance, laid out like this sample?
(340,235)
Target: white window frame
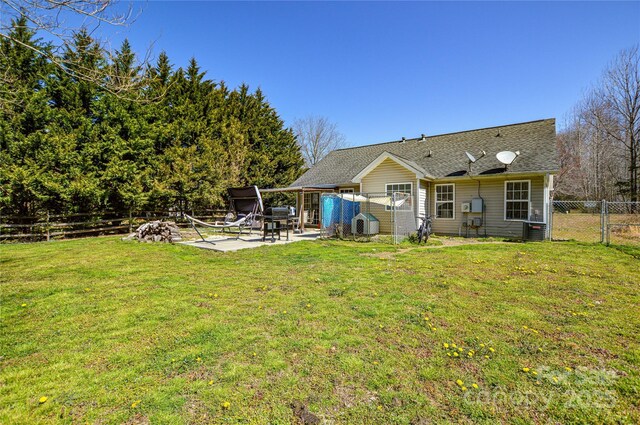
(347,190)
(436,202)
(517,200)
(386,190)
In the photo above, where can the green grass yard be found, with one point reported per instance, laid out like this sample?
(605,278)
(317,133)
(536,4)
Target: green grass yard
(121,332)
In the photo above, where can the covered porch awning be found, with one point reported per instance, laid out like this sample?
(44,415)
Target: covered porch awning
(300,191)
(316,188)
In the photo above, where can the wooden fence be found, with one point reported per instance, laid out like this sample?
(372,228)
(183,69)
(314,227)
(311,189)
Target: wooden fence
(46,227)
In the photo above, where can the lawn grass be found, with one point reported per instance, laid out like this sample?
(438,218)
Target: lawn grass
(122,332)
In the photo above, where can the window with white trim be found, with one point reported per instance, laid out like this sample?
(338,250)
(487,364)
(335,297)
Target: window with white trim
(346,190)
(392,188)
(517,199)
(445,200)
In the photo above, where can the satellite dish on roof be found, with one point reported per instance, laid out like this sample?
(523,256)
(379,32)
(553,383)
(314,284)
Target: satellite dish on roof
(507,157)
(471,157)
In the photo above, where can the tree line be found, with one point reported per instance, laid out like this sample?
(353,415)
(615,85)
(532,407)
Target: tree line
(173,140)
(600,146)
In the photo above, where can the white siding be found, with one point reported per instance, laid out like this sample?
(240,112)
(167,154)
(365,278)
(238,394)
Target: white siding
(375,182)
(423,206)
(492,191)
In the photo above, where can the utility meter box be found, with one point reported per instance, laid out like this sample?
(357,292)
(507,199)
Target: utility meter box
(477,205)
(465,207)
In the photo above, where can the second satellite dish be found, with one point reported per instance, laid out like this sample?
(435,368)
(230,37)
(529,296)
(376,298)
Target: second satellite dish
(471,157)
(507,157)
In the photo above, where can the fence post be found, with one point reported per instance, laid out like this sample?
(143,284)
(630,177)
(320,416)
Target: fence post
(130,221)
(606,223)
(48,231)
(603,207)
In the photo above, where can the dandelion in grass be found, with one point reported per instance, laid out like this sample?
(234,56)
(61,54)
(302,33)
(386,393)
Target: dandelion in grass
(375,362)
(568,369)
(491,349)
(482,345)
(211,294)
(226,405)
(284,312)
(215,295)
(23,305)
(455,354)
(308,305)
(381,326)
(525,369)
(434,329)
(463,388)
(135,404)
(475,386)
(254,354)
(198,359)
(211,382)
(453,345)
(459,382)
(43,399)
(486,357)
(446,345)
(379,407)
(460,349)
(449,354)
(534,373)
(87,289)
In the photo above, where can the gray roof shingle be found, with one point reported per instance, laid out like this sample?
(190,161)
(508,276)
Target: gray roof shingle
(536,141)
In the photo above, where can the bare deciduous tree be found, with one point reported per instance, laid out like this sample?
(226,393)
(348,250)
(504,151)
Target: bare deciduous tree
(317,136)
(617,111)
(600,148)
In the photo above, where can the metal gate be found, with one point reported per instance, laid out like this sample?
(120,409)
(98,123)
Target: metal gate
(363,216)
(596,221)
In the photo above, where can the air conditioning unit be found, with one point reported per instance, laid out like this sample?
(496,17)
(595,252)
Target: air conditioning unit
(466,207)
(365,224)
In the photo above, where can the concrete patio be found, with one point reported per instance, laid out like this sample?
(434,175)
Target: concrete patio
(228,243)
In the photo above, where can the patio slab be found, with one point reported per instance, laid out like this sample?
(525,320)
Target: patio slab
(229,243)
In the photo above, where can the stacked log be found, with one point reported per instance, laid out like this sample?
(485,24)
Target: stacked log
(157,231)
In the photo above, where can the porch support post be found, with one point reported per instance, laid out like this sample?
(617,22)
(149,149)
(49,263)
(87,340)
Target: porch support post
(301,209)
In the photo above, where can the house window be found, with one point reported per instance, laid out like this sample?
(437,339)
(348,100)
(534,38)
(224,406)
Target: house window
(392,188)
(517,197)
(347,190)
(445,200)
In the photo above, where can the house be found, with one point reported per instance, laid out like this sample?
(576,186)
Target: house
(444,180)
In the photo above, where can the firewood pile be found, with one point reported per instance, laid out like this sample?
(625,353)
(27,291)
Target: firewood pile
(156,231)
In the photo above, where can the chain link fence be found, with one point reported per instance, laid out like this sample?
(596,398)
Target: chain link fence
(596,221)
(365,216)
(622,222)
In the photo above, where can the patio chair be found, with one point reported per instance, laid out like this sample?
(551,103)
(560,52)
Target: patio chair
(245,210)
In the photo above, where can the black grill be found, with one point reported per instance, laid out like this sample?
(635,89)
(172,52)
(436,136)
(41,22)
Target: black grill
(276,213)
(275,220)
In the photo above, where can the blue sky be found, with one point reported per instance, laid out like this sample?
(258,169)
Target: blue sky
(384,70)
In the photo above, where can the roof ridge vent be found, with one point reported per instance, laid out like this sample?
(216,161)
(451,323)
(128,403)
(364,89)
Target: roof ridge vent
(423,137)
(404,139)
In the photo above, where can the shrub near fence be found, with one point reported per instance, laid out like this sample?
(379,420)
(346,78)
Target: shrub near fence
(45,227)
